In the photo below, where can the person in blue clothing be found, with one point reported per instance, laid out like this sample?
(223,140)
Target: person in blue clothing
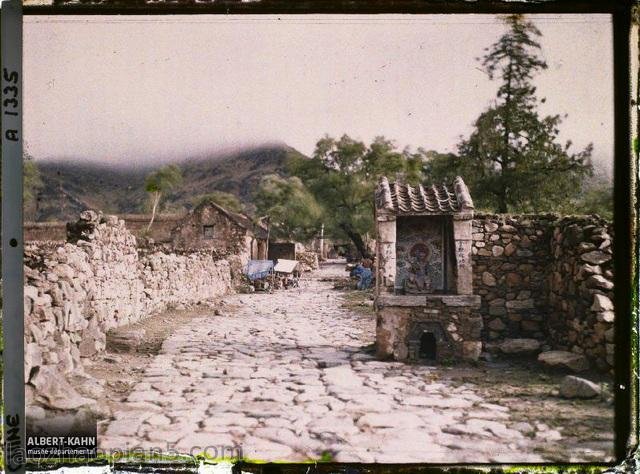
(364,276)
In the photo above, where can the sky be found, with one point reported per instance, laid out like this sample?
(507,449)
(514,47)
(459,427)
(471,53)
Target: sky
(144,90)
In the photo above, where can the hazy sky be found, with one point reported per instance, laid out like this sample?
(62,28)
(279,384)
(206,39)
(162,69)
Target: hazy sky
(121,89)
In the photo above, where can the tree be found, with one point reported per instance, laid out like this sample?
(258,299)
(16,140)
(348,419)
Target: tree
(594,197)
(221,198)
(160,182)
(512,160)
(293,211)
(342,175)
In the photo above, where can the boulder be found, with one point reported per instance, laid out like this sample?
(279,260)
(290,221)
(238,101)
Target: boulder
(577,387)
(520,346)
(564,360)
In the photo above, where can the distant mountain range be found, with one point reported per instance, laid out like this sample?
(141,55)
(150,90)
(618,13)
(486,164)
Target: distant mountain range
(72,186)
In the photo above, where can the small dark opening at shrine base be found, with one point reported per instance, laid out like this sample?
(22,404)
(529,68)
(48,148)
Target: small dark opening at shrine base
(428,346)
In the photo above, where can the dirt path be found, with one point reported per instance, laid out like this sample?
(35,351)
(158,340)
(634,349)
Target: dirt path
(289,376)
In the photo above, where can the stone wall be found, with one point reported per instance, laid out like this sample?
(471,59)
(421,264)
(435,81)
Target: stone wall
(548,278)
(137,224)
(76,291)
(580,282)
(173,280)
(510,261)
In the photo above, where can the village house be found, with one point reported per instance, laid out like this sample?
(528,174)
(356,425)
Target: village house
(211,226)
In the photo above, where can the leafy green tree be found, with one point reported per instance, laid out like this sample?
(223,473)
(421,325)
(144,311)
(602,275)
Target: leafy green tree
(513,160)
(441,167)
(158,183)
(292,210)
(227,200)
(342,175)
(594,197)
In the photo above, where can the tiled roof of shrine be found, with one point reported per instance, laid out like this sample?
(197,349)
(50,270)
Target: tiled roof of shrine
(405,199)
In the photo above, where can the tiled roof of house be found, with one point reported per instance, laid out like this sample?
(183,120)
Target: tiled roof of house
(405,199)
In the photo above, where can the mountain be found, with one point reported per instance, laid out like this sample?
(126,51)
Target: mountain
(69,187)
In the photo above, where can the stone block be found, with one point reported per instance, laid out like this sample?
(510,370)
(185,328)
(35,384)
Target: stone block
(471,350)
(601,303)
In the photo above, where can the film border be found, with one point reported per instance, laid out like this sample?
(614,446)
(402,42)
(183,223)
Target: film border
(625,179)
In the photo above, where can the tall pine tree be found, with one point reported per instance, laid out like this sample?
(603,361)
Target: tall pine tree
(513,160)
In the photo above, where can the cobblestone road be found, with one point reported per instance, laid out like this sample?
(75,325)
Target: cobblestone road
(287,377)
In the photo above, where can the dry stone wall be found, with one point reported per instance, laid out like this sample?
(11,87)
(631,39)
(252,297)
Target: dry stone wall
(580,283)
(547,278)
(510,261)
(76,291)
(173,280)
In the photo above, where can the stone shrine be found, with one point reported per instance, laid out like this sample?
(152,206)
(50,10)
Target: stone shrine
(425,306)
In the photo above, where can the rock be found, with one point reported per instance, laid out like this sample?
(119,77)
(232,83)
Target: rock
(491,226)
(125,341)
(609,334)
(32,359)
(93,341)
(595,257)
(53,390)
(601,303)
(89,216)
(524,253)
(564,359)
(471,350)
(520,346)
(520,304)
(585,247)
(577,387)
(510,249)
(88,386)
(606,316)
(600,282)
(513,279)
(523,427)
(497,324)
(496,250)
(549,435)
(64,271)
(488,279)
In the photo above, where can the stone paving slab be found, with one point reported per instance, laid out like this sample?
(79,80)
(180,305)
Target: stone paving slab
(286,376)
